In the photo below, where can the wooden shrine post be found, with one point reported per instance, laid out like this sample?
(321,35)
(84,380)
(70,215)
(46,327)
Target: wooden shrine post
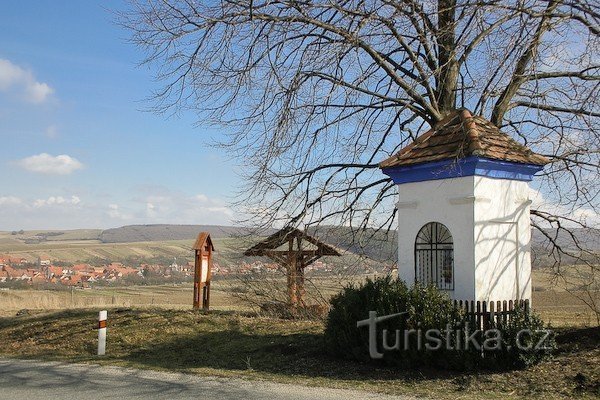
(294,250)
(203,249)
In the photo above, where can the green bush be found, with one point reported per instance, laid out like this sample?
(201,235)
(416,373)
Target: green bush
(426,309)
(519,357)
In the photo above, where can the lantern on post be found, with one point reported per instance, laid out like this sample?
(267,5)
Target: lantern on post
(203,249)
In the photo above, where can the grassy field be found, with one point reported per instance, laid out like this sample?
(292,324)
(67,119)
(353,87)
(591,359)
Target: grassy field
(229,251)
(555,305)
(559,302)
(167,297)
(81,250)
(78,250)
(153,327)
(173,297)
(84,244)
(245,345)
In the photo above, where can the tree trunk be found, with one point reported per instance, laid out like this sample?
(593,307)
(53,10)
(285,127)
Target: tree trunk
(447,73)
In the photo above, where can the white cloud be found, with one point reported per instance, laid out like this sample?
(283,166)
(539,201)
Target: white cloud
(13,77)
(178,208)
(584,215)
(537,199)
(70,210)
(38,92)
(202,197)
(150,210)
(115,213)
(9,200)
(46,164)
(56,200)
(52,212)
(174,208)
(9,74)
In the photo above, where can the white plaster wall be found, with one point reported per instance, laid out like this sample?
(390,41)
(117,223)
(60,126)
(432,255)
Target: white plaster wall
(489,222)
(502,239)
(450,202)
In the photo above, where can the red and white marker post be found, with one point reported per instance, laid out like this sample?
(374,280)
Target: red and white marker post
(102,332)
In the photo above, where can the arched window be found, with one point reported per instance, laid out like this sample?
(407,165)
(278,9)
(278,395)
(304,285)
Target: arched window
(434,256)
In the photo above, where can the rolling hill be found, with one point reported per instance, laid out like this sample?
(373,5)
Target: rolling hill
(134,242)
(162,232)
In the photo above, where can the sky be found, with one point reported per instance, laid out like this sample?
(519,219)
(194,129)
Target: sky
(79,147)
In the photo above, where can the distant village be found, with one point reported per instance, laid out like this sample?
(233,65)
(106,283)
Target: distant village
(47,271)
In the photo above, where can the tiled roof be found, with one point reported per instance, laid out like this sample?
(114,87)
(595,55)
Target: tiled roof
(461,135)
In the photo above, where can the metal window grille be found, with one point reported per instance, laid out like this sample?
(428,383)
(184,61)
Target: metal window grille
(434,256)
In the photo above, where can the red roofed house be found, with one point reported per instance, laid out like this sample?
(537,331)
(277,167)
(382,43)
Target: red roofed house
(52,271)
(44,260)
(9,272)
(82,268)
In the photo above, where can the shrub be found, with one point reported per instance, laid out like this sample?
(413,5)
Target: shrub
(524,353)
(405,336)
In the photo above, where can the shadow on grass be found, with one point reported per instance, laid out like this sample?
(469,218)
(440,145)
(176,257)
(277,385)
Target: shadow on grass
(293,356)
(221,342)
(227,347)
(573,340)
(300,355)
(40,317)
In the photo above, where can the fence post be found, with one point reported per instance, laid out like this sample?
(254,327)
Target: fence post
(499,312)
(484,317)
(102,316)
(469,305)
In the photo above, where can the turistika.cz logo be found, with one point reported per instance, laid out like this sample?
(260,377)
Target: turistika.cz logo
(453,338)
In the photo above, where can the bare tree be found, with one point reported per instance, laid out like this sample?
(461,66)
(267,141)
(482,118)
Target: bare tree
(314,94)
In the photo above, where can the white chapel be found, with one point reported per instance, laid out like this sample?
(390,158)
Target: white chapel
(463,209)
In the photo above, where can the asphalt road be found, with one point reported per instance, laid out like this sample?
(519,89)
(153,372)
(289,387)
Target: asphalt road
(30,380)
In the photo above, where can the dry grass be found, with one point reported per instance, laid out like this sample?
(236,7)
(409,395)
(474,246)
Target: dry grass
(554,304)
(558,302)
(81,250)
(164,296)
(243,345)
(162,333)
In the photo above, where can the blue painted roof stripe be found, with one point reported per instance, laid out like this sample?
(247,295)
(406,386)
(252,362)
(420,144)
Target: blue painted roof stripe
(468,166)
